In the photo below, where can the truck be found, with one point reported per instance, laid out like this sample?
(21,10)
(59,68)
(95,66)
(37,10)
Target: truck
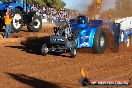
(84,33)
(21,15)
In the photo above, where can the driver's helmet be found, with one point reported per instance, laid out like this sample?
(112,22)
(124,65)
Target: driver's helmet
(81,20)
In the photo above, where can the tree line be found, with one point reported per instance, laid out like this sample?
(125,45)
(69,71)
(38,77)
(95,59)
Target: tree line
(122,9)
(49,3)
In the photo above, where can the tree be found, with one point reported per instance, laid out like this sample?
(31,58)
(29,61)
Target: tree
(50,3)
(122,9)
(55,3)
(40,2)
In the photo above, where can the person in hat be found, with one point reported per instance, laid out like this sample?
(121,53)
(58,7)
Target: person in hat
(8,21)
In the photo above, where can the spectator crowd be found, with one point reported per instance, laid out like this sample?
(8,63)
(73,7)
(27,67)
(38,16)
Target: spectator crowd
(52,14)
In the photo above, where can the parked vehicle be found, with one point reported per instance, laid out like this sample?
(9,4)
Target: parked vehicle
(21,15)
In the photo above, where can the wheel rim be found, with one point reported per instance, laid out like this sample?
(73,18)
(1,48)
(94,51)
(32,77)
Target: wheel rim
(46,50)
(17,24)
(102,41)
(37,22)
(74,52)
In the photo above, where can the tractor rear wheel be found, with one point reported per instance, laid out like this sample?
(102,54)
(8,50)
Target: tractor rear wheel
(17,20)
(36,24)
(99,42)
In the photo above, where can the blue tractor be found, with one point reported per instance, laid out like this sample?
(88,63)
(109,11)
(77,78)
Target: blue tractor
(82,33)
(93,33)
(21,15)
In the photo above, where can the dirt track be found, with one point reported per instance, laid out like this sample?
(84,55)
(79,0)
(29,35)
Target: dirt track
(23,66)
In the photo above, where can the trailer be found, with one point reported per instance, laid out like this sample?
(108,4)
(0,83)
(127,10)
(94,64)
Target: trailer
(21,15)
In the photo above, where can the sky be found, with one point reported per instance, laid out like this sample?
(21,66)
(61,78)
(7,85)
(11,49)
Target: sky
(82,5)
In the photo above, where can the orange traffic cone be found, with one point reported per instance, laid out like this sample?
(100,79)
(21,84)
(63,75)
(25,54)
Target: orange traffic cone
(84,74)
(84,81)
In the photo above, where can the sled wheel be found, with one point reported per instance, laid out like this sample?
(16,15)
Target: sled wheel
(36,24)
(17,20)
(85,81)
(73,53)
(99,42)
(44,50)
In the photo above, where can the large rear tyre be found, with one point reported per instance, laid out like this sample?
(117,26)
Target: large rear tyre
(17,20)
(36,24)
(99,42)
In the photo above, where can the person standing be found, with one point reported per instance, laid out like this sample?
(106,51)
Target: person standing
(8,21)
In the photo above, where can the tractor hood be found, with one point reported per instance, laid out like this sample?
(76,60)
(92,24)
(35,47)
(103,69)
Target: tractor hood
(91,24)
(80,26)
(13,5)
(9,5)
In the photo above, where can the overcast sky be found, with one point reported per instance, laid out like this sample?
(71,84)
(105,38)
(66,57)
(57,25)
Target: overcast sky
(82,5)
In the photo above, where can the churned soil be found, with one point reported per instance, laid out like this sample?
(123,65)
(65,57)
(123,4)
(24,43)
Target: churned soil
(23,66)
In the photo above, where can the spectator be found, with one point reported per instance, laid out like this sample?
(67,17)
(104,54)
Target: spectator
(7,23)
